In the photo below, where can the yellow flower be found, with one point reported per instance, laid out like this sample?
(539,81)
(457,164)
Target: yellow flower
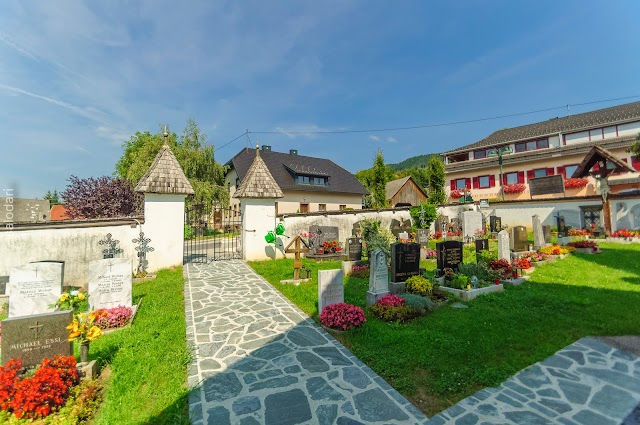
(94,333)
(81,296)
(64,297)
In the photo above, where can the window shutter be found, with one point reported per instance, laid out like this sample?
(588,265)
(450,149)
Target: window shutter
(550,171)
(531,174)
(476,183)
(562,171)
(492,180)
(504,179)
(635,163)
(453,184)
(467,183)
(521,177)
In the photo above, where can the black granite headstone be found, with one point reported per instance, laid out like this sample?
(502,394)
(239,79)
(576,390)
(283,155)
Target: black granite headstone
(32,338)
(405,261)
(449,254)
(354,249)
(495,224)
(482,245)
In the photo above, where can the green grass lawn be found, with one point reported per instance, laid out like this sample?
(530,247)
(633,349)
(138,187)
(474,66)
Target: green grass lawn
(148,361)
(437,360)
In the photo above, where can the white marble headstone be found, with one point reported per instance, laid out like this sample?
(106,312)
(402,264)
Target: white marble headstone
(378,272)
(110,283)
(471,223)
(330,288)
(33,288)
(538,233)
(504,250)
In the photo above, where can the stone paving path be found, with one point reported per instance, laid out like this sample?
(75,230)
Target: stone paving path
(588,382)
(258,359)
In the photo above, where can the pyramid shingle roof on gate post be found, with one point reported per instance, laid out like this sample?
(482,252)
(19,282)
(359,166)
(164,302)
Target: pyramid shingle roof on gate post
(165,175)
(258,182)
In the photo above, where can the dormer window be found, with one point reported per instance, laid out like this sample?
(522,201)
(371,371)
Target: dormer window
(312,180)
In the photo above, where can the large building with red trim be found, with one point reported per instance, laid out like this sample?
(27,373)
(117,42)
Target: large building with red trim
(553,147)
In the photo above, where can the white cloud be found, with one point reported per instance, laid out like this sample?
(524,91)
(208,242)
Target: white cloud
(374,138)
(392,139)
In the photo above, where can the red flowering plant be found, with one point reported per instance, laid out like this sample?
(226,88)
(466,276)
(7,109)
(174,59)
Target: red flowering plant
(392,308)
(503,266)
(579,232)
(342,316)
(572,183)
(535,257)
(514,188)
(456,194)
(584,244)
(360,271)
(435,235)
(624,233)
(431,254)
(522,262)
(116,317)
(391,301)
(331,246)
(41,394)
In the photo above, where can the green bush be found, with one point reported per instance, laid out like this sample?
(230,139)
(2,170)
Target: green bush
(188,232)
(399,314)
(486,256)
(418,285)
(422,304)
(429,216)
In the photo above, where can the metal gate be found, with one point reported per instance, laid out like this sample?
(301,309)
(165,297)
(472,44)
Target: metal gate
(212,234)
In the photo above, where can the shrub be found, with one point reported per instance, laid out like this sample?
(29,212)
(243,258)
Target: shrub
(422,219)
(422,304)
(503,266)
(381,240)
(418,285)
(391,301)
(486,257)
(554,250)
(188,232)
(342,316)
(360,272)
(400,314)
(116,317)
(101,197)
(522,262)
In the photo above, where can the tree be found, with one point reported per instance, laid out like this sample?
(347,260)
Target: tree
(419,175)
(194,156)
(101,197)
(53,198)
(635,148)
(379,181)
(436,181)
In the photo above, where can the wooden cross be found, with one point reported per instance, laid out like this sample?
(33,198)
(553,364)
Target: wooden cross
(297,250)
(36,328)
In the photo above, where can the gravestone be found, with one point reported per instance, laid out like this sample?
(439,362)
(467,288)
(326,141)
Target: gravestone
(356,230)
(330,288)
(538,235)
(399,226)
(546,231)
(405,261)
(323,234)
(110,283)
(34,287)
(519,240)
(562,227)
(296,247)
(32,338)
(422,236)
(471,223)
(495,224)
(449,254)
(354,249)
(111,247)
(482,245)
(504,246)
(438,225)
(378,277)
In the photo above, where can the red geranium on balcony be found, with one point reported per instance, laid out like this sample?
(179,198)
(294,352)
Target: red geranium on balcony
(514,188)
(575,183)
(457,194)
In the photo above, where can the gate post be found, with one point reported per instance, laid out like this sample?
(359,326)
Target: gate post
(258,193)
(165,188)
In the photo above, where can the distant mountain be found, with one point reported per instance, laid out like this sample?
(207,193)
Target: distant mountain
(413,162)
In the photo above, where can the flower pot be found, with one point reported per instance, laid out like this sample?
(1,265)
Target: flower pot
(84,352)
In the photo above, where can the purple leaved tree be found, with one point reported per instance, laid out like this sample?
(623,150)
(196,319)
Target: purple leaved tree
(100,197)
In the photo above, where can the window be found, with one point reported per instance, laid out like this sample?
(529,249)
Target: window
(484,182)
(532,145)
(343,207)
(322,207)
(511,178)
(461,184)
(304,208)
(542,172)
(314,180)
(479,154)
(569,170)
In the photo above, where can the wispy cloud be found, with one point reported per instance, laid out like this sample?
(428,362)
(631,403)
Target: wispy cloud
(6,39)
(392,139)
(304,130)
(374,138)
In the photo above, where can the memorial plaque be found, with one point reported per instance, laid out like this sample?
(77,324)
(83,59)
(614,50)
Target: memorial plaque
(323,234)
(354,249)
(34,287)
(405,261)
(32,338)
(538,235)
(110,283)
(399,226)
(546,185)
(519,240)
(546,231)
(330,288)
(471,223)
(495,224)
(449,254)
(378,272)
(482,245)
(504,249)
(422,235)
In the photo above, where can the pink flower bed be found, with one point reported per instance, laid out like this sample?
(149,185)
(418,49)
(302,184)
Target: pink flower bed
(391,301)
(342,316)
(116,317)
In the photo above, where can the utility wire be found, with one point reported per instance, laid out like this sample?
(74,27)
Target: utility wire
(228,143)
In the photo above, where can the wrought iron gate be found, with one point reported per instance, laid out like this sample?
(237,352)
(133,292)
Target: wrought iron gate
(212,234)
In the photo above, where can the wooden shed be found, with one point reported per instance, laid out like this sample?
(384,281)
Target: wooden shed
(405,192)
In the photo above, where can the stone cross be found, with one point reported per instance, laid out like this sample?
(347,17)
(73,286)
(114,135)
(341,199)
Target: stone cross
(297,250)
(112,247)
(143,248)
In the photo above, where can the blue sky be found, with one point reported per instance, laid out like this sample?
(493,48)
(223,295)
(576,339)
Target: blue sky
(78,78)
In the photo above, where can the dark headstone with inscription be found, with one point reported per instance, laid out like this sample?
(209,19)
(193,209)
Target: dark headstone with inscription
(354,249)
(546,231)
(32,338)
(546,185)
(495,224)
(482,245)
(519,239)
(449,254)
(324,234)
(405,261)
(562,227)
(399,226)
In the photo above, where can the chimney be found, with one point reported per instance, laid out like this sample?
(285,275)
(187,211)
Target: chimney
(266,148)
(293,152)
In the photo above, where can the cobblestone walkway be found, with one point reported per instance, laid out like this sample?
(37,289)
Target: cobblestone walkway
(258,359)
(588,382)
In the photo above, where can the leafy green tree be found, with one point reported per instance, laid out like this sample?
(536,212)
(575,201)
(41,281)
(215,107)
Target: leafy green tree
(436,181)
(423,215)
(419,175)
(53,198)
(194,156)
(635,148)
(379,181)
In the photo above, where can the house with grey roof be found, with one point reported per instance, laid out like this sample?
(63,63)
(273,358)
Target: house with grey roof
(553,147)
(308,184)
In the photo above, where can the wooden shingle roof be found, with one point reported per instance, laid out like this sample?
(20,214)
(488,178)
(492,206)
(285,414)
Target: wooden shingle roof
(594,156)
(394,186)
(258,182)
(165,175)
